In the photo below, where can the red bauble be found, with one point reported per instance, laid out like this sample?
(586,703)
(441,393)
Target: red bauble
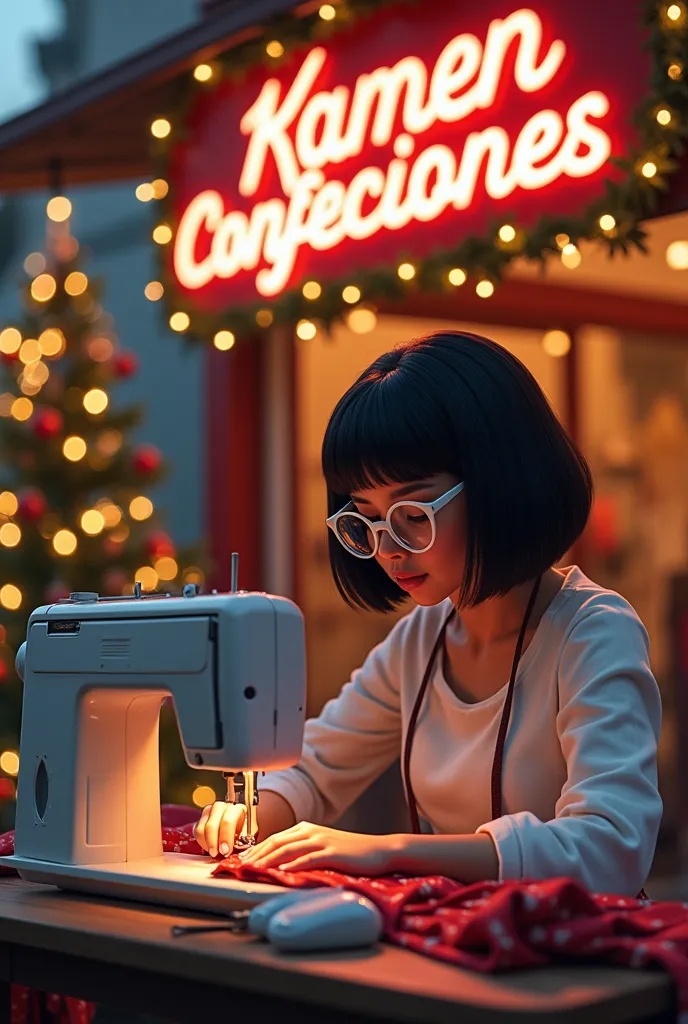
(146,459)
(32,505)
(126,364)
(10,357)
(4,672)
(159,545)
(6,789)
(47,423)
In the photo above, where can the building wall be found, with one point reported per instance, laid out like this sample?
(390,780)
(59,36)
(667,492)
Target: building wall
(115,228)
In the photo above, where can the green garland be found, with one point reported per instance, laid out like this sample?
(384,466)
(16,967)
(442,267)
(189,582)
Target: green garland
(482,258)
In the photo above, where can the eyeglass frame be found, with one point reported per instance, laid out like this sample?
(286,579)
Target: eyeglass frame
(429,508)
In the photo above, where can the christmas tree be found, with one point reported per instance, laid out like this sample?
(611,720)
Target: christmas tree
(74,513)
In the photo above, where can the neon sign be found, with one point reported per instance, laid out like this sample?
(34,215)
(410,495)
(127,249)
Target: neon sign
(300,141)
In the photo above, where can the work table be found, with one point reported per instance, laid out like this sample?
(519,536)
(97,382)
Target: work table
(123,955)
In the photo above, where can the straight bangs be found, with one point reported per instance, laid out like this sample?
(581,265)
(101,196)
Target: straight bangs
(376,436)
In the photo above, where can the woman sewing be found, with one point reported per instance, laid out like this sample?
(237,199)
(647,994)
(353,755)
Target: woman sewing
(518,695)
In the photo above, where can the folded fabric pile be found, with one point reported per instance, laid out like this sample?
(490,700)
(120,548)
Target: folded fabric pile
(486,927)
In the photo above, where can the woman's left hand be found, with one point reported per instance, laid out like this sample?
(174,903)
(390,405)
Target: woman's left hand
(306,846)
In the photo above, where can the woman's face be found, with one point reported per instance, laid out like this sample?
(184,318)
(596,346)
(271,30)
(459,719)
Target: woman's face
(438,573)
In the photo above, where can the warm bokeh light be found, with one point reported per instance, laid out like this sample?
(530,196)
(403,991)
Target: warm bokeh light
(145,192)
(562,240)
(9,762)
(59,209)
(192,574)
(264,317)
(203,72)
(361,320)
(180,322)
(34,377)
(306,329)
(571,257)
(64,542)
(161,128)
(484,289)
(8,503)
(43,287)
(160,188)
(677,255)
(10,341)
(162,234)
(351,294)
(74,448)
(21,410)
(166,568)
(224,340)
(663,117)
(154,291)
(34,264)
(10,535)
(311,290)
(147,577)
(10,597)
(6,400)
(556,343)
(95,401)
(674,71)
(607,222)
(100,349)
(507,233)
(649,169)
(675,12)
(76,283)
(203,795)
(327,12)
(140,508)
(274,49)
(457,277)
(30,351)
(109,442)
(406,271)
(52,342)
(111,513)
(92,522)
(120,533)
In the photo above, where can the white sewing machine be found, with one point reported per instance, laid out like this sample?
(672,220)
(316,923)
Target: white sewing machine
(96,672)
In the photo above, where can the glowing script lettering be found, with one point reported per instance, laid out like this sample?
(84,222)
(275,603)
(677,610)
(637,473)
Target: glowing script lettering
(304,131)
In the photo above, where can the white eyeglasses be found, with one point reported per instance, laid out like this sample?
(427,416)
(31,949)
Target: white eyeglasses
(411,524)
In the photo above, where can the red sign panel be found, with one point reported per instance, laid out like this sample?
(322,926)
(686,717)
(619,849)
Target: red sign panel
(399,136)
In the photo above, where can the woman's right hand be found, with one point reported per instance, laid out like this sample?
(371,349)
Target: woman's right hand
(221,823)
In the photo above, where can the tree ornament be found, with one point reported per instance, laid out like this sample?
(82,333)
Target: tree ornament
(125,364)
(146,459)
(159,545)
(47,423)
(4,671)
(32,505)
(6,788)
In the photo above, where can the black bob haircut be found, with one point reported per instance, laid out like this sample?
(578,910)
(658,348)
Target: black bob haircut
(453,402)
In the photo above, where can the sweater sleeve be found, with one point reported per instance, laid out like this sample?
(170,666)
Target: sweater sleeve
(607,818)
(354,739)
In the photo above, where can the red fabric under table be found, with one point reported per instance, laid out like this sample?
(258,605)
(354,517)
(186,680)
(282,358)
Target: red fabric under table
(486,927)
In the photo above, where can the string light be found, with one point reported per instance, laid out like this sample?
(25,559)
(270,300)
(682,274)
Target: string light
(43,287)
(203,72)
(140,508)
(311,290)
(153,291)
(162,234)
(145,192)
(306,330)
(675,12)
(663,117)
(677,255)
(406,271)
(203,795)
(457,277)
(224,340)
(327,12)
(166,568)
(74,448)
(76,283)
(264,317)
(607,222)
(10,341)
(10,597)
(361,320)
(64,542)
(109,442)
(507,233)
(674,71)
(274,49)
(10,535)
(111,513)
(59,209)
(160,188)
(8,503)
(556,343)
(9,762)
(22,409)
(100,349)
(92,522)
(562,240)
(6,400)
(180,322)
(161,128)
(52,342)
(147,577)
(484,289)
(649,169)
(571,257)
(95,401)
(351,294)
(34,264)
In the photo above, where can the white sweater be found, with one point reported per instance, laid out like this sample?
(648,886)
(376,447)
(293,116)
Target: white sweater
(579,776)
